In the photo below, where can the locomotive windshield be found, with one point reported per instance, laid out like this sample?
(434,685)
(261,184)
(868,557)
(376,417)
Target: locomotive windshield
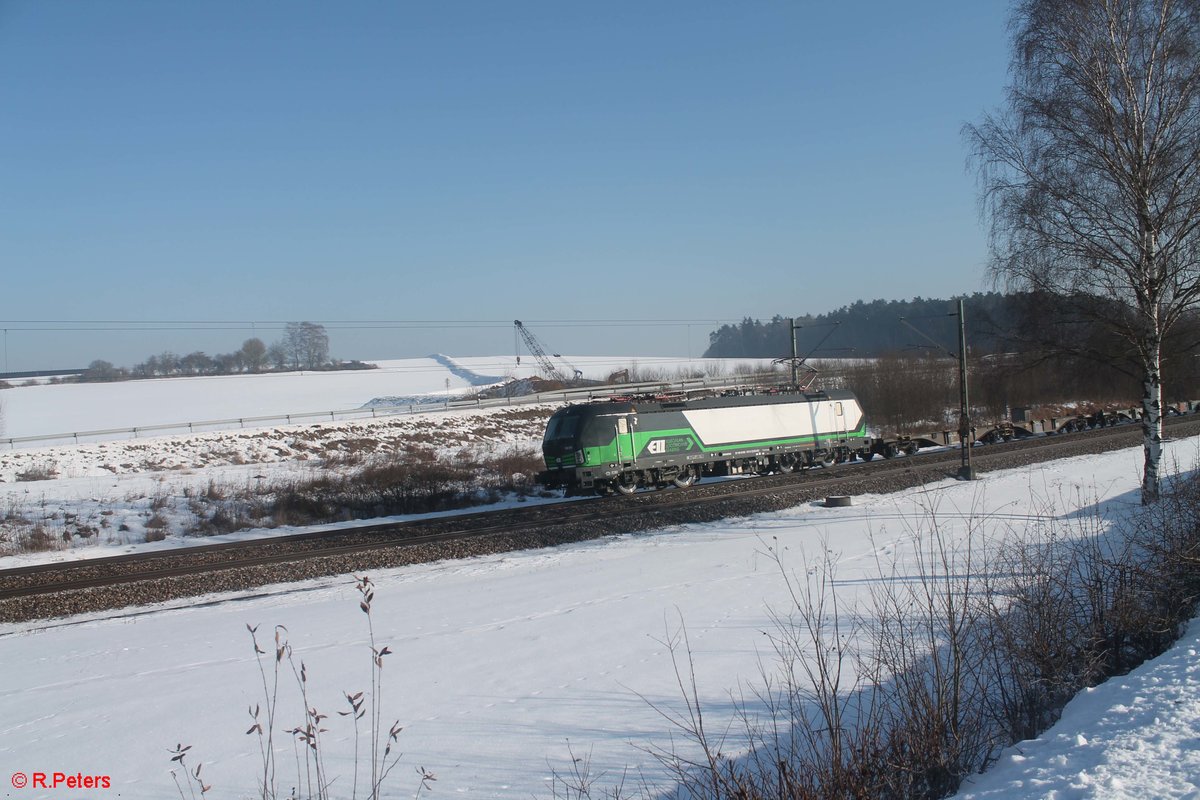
(562,427)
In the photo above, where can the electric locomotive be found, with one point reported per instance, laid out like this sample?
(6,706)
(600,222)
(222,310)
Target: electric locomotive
(621,445)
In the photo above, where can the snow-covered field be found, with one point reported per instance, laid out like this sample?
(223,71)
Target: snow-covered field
(53,409)
(100,494)
(503,667)
(112,490)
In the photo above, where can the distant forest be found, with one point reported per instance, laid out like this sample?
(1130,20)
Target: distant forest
(869,330)
(1021,345)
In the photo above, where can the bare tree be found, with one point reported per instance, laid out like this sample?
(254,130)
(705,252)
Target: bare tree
(197,363)
(1091,174)
(168,363)
(316,345)
(307,345)
(254,354)
(277,355)
(100,370)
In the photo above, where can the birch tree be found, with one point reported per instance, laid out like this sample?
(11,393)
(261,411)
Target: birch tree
(1090,174)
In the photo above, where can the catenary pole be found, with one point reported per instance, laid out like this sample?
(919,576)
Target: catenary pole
(795,363)
(966,472)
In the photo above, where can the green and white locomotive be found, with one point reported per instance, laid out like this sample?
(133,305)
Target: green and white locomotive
(624,444)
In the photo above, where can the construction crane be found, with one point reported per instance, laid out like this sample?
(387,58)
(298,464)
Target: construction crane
(539,352)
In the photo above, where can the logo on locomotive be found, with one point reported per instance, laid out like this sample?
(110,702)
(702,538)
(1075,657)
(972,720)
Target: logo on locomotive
(674,444)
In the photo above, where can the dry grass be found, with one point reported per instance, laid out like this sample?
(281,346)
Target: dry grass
(414,480)
(286,699)
(417,481)
(44,471)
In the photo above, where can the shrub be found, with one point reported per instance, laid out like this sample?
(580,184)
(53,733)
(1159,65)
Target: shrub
(156,528)
(973,650)
(38,472)
(39,539)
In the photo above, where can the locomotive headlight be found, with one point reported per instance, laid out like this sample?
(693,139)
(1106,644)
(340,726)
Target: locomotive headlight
(580,457)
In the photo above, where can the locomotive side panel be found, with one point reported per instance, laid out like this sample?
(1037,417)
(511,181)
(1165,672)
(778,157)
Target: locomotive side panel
(790,422)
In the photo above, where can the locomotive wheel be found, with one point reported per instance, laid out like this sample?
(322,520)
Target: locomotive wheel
(828,460)
(684,479)
(624,488)
(787,463)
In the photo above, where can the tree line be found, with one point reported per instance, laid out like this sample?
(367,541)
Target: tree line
(1025,349)
(866,329)
(304,345)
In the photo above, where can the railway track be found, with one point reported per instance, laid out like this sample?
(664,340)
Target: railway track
(104,583)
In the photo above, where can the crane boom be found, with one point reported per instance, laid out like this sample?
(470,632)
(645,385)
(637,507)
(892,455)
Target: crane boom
(539,352)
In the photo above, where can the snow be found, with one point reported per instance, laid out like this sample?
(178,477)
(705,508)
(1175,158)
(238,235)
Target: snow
(116,487)
(113,485)
(1135,736)
(52,409)
(505,667)
(502,663)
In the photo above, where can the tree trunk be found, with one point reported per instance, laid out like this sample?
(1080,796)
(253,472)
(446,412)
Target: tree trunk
(1152,422)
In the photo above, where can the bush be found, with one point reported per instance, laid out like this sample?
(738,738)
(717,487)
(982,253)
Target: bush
(975,649)
(38,539)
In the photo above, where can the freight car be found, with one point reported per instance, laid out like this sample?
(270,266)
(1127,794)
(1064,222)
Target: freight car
(627,443)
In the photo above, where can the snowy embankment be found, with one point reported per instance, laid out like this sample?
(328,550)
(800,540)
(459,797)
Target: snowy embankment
(504,666)
(1136,736)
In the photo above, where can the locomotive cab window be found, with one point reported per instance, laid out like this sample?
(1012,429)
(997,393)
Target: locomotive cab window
(622,425)
(562,428)
(837,409)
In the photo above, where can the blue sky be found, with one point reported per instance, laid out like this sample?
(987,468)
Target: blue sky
(395,162)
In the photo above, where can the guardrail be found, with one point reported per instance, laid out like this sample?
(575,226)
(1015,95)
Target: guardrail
(585,393)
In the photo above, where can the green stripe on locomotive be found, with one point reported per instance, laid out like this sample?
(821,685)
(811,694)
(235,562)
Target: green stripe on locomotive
(683,441)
